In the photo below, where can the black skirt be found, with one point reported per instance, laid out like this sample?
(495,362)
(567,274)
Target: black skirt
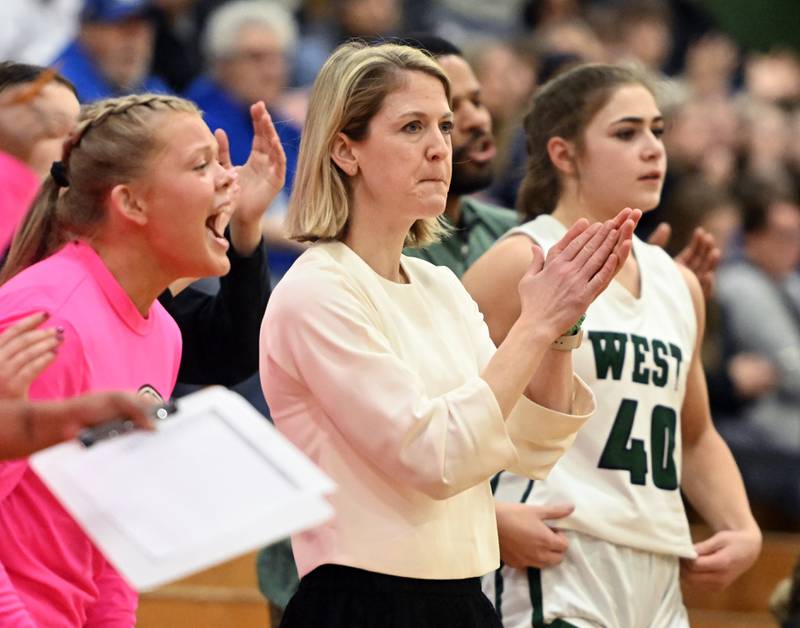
(333,596)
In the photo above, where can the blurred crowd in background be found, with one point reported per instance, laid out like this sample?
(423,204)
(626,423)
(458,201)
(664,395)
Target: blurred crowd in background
(732,138)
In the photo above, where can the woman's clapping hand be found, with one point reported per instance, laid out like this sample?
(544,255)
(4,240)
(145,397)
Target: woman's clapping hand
(557,290)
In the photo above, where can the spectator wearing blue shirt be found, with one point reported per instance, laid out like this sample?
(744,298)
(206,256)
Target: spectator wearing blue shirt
(112,53)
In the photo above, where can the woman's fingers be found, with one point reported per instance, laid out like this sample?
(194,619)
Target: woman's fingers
(603,239)
(628,226)
(595,254)
(573,232)
(585,260)
(537,260)
(626,214)
(579,242)
(625,236)
(582,234)
(616,258)
(603,277)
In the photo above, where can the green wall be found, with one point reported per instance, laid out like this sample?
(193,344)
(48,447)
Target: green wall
(759,24)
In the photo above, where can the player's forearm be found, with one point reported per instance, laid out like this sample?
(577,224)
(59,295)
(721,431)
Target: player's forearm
(713,485)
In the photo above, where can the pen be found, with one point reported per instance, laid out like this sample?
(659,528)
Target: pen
(91,435)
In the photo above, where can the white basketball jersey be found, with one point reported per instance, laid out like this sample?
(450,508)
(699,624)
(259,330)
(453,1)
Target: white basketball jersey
(623,471)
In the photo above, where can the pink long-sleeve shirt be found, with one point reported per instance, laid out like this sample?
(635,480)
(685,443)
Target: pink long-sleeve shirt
(50,572)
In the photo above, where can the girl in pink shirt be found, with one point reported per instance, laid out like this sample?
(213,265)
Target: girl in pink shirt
(138,200)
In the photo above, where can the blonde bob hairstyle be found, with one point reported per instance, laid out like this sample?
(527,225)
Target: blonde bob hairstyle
(348,92)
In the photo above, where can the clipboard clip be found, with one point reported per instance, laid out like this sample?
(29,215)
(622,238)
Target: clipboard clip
(117,427)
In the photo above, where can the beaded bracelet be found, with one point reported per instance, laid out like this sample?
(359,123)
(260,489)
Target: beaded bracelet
(576,327)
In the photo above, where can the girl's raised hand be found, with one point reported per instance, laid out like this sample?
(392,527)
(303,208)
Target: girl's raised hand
(259,180)
(262,177)
(701,255)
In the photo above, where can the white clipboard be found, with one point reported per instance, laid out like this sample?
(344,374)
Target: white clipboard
(215,480)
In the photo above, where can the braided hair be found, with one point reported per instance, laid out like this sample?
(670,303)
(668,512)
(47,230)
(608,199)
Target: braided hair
(112,144)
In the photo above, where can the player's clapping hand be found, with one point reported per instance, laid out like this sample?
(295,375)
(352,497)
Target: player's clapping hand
(25,351)
(701,255)
(721,559)
(525,539)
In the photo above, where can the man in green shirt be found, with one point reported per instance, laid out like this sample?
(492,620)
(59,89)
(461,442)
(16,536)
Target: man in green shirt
(476,225)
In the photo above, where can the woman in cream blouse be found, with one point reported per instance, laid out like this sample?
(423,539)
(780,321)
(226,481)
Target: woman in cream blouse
(380,367)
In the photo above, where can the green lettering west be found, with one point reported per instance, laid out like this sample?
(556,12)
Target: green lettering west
(609,352)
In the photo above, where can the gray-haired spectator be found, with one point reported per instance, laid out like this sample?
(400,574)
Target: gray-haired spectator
(248,44)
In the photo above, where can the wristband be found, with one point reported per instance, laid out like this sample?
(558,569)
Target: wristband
(568,342)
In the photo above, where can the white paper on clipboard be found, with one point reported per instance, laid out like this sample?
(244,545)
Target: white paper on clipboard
(214,481)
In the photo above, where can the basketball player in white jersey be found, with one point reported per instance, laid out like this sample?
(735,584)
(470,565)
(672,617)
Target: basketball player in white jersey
(594,140)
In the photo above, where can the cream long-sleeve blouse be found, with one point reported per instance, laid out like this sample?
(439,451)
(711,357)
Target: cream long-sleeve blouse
(379,384)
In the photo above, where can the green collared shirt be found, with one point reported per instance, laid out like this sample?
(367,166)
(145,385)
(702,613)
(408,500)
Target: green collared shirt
(479,227)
